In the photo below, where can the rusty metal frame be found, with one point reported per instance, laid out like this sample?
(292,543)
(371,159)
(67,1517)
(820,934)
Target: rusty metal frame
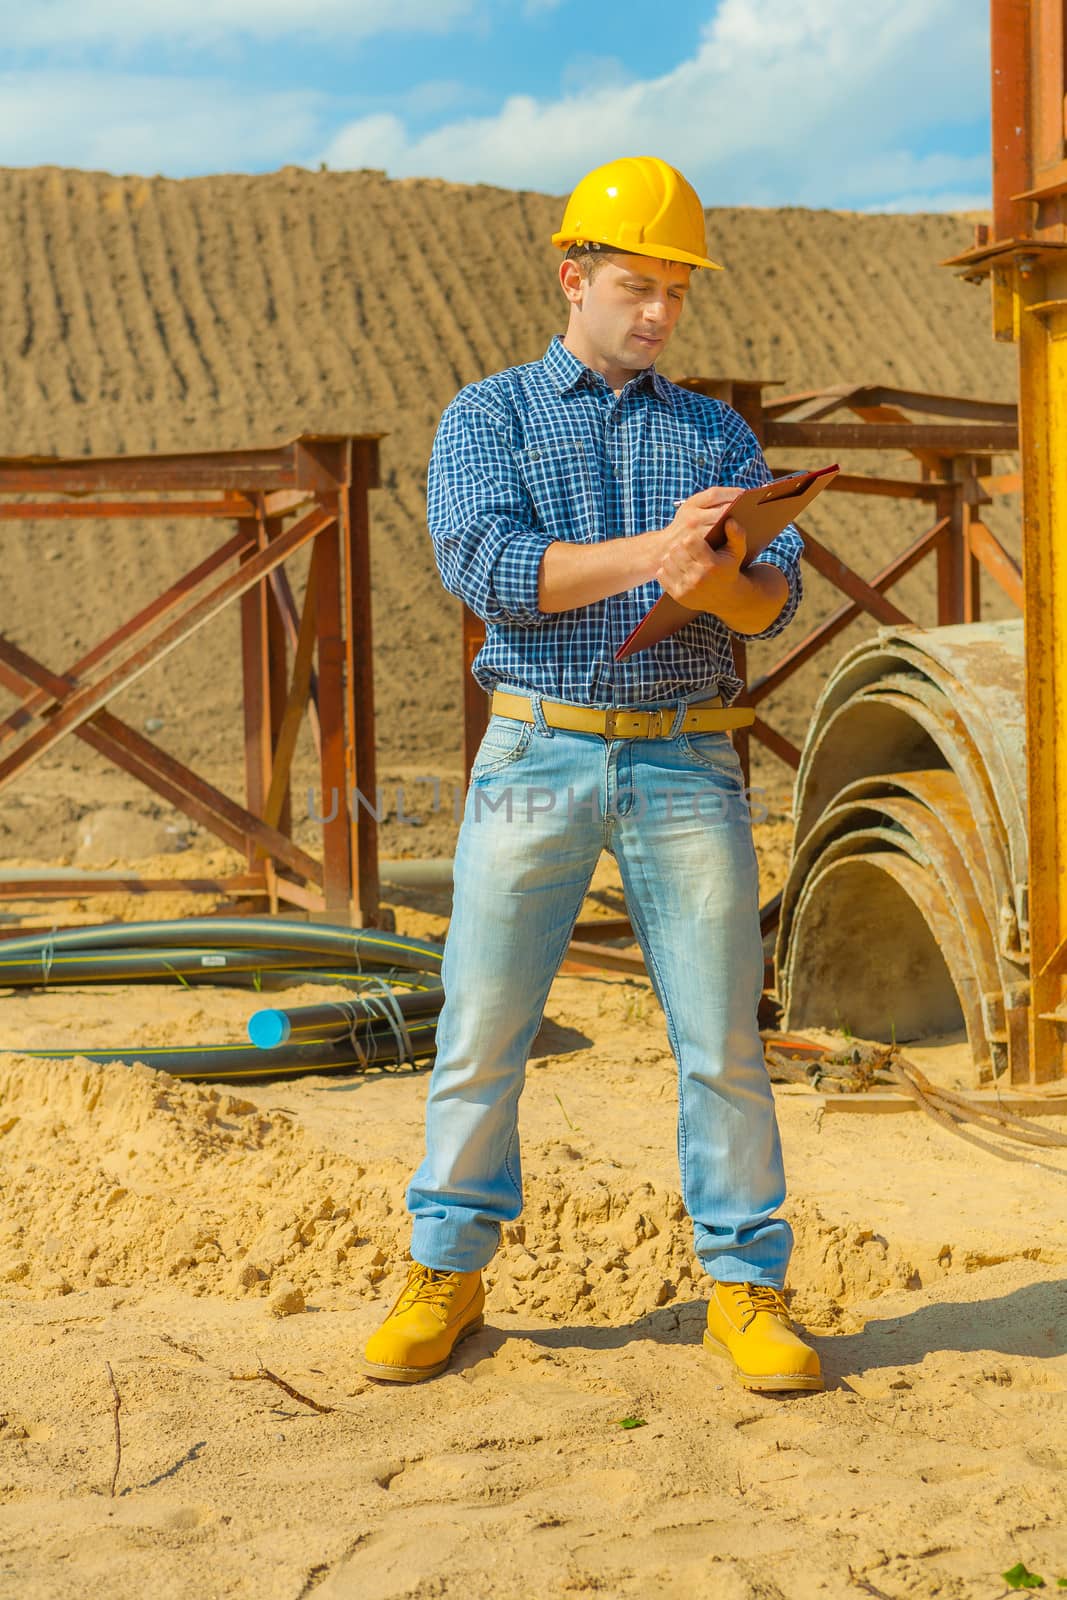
(309,493)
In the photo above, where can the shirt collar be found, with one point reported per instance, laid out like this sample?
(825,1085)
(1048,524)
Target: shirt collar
(567,372)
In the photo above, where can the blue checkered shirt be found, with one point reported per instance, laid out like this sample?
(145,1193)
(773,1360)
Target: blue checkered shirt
(547,451)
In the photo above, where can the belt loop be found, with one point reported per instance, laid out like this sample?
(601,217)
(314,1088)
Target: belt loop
(679,717)
(540,725)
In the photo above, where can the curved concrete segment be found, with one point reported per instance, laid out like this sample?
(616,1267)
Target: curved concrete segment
(904,913)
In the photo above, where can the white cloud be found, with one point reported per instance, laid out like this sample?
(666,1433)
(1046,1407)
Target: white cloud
(804,102)
(127,123)
(55,24)
(947,200)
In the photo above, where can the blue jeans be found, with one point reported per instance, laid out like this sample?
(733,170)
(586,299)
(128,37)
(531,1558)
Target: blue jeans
(542,805)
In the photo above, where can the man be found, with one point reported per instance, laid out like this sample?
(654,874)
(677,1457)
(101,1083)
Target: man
(564,497)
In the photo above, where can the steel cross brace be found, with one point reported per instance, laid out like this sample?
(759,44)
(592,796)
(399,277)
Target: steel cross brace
(79,708)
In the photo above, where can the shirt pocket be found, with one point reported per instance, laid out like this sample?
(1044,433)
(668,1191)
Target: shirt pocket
(677,470)
(559,480)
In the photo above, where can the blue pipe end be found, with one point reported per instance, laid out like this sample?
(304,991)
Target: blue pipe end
(268,1029)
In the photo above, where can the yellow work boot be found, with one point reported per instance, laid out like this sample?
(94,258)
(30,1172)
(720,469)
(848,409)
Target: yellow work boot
(433,1312)
(749,1323)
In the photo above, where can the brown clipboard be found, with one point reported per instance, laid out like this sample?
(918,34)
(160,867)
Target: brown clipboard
(763,513)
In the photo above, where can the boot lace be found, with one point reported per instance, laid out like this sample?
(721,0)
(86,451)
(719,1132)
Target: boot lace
(753,1297)
(428,1287)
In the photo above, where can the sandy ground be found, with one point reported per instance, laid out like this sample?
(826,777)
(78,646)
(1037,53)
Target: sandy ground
(159,1226)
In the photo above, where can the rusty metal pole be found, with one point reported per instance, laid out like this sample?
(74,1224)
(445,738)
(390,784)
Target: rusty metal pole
(959,593)
(277,675)
(336,852)
(361,772)
(475,700)
(741,740)
(952,551)
(255,665)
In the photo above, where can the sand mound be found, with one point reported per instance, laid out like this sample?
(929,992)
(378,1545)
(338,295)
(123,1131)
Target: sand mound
(147,1178)
(116,1175)
(146,314)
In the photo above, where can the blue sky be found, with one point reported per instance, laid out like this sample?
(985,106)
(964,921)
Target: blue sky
(853,104)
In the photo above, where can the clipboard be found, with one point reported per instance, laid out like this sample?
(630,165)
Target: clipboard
(763,513)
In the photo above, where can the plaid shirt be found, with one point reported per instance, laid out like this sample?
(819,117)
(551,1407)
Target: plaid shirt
(547,451)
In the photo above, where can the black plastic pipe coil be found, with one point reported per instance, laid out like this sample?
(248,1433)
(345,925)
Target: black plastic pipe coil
(378,1026)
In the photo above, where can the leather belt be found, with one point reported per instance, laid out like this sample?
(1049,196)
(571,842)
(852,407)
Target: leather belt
(617,722)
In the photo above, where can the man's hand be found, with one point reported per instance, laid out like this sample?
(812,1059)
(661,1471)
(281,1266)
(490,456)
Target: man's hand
(712,580)
(688,569)
(574,575)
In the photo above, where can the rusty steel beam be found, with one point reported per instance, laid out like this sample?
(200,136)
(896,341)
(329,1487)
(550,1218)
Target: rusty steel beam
(1005,572)
(336,851)
(29,888)
(593,930)
(842,577)
(739,738)
(92,510)
(255,699)
(840,618)
(298,894)
(308,462)
(82,702)
(994,438)
(296,703)
(940,405)
(815,404)
(244,470)
(283,593)
(360,765)
(891,488)
(282,502)
(1011,136)
(36,703)
(581,953)
(277,684)
(160,771)
(782,747)
(475,699)
(1000,483)
(955,577)
(812,406)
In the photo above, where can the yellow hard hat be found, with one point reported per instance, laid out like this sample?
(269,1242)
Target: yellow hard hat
(641,206)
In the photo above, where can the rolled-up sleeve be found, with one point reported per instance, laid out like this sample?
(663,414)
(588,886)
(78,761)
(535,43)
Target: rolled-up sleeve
(745,467)
(482,521)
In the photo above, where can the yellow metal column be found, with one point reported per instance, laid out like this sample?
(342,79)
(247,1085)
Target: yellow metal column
(1024,253)
(1041,320)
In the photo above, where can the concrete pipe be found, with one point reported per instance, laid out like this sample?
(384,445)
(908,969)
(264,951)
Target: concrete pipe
(905,909)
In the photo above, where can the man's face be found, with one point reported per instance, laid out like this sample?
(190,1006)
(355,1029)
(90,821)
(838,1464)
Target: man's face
(629,309)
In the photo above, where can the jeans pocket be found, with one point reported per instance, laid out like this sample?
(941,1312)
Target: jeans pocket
(503,742)
(715,752)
